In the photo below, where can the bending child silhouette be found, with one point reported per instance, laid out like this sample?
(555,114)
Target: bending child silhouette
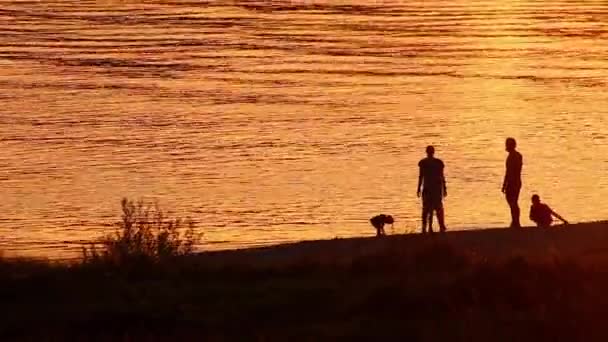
(379,221)
(432,182)
(511,185)
(542,214)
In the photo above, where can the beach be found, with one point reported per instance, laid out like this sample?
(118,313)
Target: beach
(496,284)
(581,241)
(208,170)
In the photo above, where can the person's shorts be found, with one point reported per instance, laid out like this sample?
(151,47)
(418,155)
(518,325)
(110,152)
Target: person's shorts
(432,199)
(512,193)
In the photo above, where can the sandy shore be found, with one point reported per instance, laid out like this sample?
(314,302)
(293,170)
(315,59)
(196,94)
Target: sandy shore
(582,241)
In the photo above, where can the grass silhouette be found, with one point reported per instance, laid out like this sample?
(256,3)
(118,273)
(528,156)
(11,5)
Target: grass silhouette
(494,285)
(145,234)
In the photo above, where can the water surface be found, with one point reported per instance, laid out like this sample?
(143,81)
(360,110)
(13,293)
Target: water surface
(277,121)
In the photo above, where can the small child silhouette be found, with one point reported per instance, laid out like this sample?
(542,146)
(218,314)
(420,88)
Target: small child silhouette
(379,221)
(542,214)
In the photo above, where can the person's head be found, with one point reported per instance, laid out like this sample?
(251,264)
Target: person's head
(388,219)
(430,151)
(535,199)
(510,144)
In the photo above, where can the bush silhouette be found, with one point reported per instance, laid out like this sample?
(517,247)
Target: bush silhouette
(145,233)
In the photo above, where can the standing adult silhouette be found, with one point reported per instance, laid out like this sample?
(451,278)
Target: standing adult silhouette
(511,185)
(432,188)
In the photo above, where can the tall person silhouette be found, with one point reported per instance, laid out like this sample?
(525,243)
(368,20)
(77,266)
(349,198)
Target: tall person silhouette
(511,185)
(432,188)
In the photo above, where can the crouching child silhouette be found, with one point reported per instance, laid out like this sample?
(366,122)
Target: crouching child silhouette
(379,221)
(542,214)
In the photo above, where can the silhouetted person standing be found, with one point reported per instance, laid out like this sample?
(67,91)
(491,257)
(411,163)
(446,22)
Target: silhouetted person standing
(432,188)
(511,185)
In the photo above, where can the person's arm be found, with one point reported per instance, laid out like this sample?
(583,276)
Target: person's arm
(443,183)
(504,182)
(559,217)
(419,181)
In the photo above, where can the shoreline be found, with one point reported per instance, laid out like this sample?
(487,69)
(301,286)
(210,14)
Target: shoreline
(501,243)
(339,248)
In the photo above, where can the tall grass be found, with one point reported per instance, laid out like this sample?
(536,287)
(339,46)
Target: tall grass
(145,233)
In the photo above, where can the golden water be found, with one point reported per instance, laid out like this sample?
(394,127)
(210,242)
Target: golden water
(276,121)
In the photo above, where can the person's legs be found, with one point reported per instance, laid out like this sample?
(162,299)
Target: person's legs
(430,218)
(426,211)
(436,206)
(512,196)
(441,217)
(545,223)
(375,221)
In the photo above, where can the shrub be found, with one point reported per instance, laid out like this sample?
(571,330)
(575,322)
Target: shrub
(145,233)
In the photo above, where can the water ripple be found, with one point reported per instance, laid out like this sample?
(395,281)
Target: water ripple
(276,121)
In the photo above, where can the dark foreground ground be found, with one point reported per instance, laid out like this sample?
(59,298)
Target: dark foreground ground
(491,285)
